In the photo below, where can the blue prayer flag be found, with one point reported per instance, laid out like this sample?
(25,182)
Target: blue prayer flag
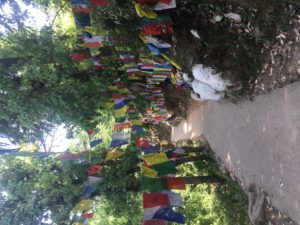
(95,143)
(166,213)
(88,191)
(121,104)
(118,143)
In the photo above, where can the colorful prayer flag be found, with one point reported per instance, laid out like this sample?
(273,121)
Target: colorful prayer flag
(155,199)
(95,169)
(85,205)
(113,155)
(154,222)
(148,172)
(150,212)
(166,213)
(153,184)
(155,158)
(88,215)
(88,191)
(95,143)
(165,168)
(175,183)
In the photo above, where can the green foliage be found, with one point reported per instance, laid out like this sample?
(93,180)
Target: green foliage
(44,87)
(213,205)
(35,190)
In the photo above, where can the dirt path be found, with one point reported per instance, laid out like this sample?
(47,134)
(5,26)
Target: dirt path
(257,141)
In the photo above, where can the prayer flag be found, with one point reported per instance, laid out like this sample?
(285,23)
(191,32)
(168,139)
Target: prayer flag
(93,181)
(155,199)
(118,143)
(85,205)
(28,147)
(142,143)
(175,199)
(101,3)
(148,172)
(153,184)
(155,158)
(95,143)
(150,212)
(175,183)
(136,122)
(138,129)
(150,149)
(121,111)
(88,191)
(113,155)
(144,12)
(69,156)
(166,213)
(88,215)
(122,126)
(95,169)
(165,168)
(154,222)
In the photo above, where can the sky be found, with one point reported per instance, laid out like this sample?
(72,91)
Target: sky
(37,19)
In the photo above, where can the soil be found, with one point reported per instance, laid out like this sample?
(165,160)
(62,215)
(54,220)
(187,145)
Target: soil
(237,49)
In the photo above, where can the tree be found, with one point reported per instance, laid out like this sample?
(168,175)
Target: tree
(41,87)
(35,190)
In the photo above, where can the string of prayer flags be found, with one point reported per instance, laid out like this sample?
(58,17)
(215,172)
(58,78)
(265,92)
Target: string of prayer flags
(95,169)
(166,213)
(113,155)
(95,143)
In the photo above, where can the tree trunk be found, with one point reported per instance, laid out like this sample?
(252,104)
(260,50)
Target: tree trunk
(189,149)
(192,159)
(204,179)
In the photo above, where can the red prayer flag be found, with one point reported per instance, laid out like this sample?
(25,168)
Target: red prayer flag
(88,215)
(155,199)
(154,222)
(92,44)
(166,1)
(142,143)
(78,56)
(122,126)
(81,10)
(101,3)
(148,1)
(175,183)
(95,169)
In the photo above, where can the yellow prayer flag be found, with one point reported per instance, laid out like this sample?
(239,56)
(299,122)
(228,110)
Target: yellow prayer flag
(113,155)
(28,147)
(171,61)
(155,158)
(147,172)
(85,205)
(124,90)
(113,88)
(144,12)
(78,223)
(109,105)
(142,37)
(122,111)
(136,122)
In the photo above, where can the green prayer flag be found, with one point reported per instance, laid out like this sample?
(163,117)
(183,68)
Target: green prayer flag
(154,184)
(165,168)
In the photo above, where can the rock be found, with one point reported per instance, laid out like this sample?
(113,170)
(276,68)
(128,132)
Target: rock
(234,17)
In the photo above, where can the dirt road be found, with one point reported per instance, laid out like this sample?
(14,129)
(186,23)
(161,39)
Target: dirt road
(258,141)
